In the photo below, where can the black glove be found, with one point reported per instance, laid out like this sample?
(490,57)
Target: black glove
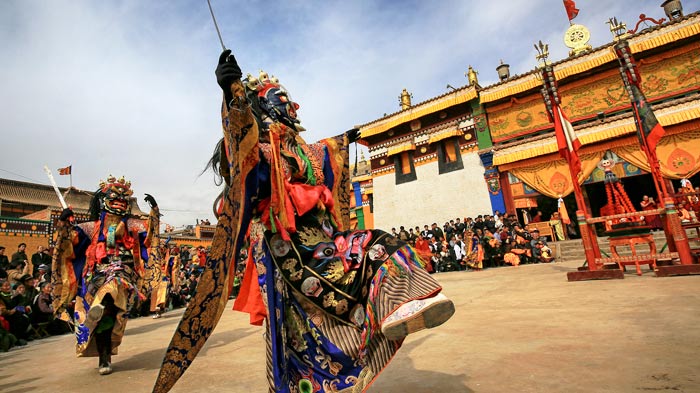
(66,214)
(151,201)
(353,135)
(227,71)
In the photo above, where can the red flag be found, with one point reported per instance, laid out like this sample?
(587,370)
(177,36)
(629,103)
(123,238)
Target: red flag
(65,171)
(571,10)
(650,127)
(567,141)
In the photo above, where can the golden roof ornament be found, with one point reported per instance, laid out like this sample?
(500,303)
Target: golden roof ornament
(576,38)
(471,75)
(405,99)
(542,54)
(618,29)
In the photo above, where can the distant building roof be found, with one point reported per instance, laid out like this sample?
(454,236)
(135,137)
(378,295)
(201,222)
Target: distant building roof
(44,195)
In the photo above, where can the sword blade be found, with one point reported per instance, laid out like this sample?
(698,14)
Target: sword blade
(216,25)
(55,187)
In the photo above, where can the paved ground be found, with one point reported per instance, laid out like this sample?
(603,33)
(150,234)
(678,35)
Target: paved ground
(522,329)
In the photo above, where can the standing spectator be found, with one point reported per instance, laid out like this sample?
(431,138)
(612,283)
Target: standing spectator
(489,223)
(41,257)
(459,227)
(557,225)
(427,233)
(403,235)
(4,263)
(449,229)
(498,220)
(437,232)
(202,255)
(20,256)
(459,254)
(394,233)
(412,236)
(468,224)
(479,223)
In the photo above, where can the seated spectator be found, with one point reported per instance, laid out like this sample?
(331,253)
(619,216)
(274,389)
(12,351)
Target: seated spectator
(17,270)
(492,249)
(537,217)
(43,311)
(43,275)
(519,252)
(683,213)
(14,314)
(541,253)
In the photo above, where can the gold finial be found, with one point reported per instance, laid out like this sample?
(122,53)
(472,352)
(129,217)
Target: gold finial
(471,75)
(405,99)
(618,29)
(542,54)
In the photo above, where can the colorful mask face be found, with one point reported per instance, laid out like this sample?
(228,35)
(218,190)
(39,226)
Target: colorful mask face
(276,103)
(117,196)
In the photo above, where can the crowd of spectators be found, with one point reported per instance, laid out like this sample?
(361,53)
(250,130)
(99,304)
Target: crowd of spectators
(26,309)
(484,242)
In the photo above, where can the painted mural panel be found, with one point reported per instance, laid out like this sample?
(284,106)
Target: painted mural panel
(663,75)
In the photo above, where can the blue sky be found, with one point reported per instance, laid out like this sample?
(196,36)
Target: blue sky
(128,88)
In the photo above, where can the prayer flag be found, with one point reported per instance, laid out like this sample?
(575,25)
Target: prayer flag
(567,141)
(571,10)
(649,125)
(65,171)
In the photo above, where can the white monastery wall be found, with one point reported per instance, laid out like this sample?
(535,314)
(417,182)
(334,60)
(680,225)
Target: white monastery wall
(432,197)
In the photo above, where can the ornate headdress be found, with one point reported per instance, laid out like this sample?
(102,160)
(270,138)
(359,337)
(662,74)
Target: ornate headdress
(116,195)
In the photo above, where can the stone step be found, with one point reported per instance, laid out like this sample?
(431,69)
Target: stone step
(572,250)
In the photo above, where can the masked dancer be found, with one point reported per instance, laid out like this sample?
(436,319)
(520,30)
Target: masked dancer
(97,268)
(336,303)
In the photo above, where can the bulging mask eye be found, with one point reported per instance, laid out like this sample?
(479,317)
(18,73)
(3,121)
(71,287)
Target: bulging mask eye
(324,250)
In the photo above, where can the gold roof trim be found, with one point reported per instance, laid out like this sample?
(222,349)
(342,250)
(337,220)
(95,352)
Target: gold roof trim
(639,43)
(685,29)
(444,135)
(400,148)
(667,117)
(418,111)
(499,91)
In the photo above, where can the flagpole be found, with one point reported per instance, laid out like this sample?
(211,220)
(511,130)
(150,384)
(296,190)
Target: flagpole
(550,94)
(676,236)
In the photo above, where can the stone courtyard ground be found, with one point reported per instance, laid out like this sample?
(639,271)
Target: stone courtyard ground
(523,329)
